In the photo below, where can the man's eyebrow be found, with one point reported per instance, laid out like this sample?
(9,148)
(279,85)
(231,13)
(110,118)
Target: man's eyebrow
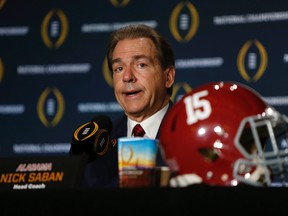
(117,60)
(136,57)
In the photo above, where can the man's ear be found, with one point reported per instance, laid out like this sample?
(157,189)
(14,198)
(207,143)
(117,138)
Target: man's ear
(170,76)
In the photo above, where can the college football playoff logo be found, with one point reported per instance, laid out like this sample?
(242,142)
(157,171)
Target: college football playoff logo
(184,21)
(50,107)
(54,29)
(252,61)
(1,70)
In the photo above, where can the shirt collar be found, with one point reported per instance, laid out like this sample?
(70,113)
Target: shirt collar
(150,125)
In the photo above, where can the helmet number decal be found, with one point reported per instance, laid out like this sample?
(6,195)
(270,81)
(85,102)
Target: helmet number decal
(197,108)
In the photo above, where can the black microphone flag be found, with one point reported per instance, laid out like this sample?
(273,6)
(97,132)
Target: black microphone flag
(92,138)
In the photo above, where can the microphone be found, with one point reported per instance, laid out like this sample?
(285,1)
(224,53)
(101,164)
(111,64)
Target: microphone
(92,138)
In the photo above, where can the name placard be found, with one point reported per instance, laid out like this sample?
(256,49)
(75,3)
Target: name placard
(41,172)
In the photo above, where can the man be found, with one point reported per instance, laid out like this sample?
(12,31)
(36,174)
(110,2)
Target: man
(143,67)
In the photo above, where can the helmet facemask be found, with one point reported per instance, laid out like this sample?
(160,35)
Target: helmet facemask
(263,141)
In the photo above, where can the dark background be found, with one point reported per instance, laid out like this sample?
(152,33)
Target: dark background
(53,77)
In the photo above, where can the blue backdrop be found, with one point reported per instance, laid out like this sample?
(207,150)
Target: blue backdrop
(54,78)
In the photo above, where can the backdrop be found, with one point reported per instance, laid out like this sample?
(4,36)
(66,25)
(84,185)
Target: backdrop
(54,78)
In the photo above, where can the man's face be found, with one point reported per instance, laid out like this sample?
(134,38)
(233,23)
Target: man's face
(139,81)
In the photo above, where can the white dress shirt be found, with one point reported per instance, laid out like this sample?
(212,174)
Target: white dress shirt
(150,125)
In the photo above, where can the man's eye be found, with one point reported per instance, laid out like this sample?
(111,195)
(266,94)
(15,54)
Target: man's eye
(118,69)
(142,65)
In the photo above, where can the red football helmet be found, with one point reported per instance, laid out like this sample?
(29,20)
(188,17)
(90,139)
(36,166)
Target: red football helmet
(224,133)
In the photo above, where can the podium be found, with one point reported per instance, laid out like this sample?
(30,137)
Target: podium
(195,200)
(66,197)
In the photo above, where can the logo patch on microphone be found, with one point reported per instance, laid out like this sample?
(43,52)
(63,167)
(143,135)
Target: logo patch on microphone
(85,131)
(92,138)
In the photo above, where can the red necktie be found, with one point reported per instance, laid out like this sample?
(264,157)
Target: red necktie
(138,131)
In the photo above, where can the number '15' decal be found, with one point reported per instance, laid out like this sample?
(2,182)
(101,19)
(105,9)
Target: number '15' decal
(197,107)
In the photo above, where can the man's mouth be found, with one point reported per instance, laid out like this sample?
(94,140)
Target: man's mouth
(130,93)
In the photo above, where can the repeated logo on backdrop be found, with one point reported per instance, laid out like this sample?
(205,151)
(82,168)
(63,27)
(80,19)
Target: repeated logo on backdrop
(179,89)
(1,70)
(64,81)
(50,107)
(2,2)
(183,25)
(54,28)
(118,3)
(107,74)
(252,57)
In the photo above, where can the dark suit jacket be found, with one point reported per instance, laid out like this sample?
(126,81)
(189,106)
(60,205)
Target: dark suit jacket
(103,172)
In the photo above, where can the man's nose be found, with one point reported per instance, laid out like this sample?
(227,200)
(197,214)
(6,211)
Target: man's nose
(129,74)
